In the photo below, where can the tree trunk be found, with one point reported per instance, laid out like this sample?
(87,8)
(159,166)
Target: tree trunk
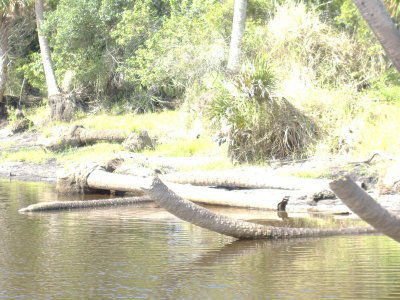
(238,26)
(83,204)
(366,207)
(4,36)
(77,136)
(93,176)
(378,19)
(237,179)
(51,81)
(200,216)
(61,107)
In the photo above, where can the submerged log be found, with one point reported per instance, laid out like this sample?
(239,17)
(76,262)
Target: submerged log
(92,178)
(200,216)
(61,205)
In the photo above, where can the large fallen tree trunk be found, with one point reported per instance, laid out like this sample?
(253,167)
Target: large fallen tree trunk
(196,214)
(241,179)
(102,180)
(200,216)
(366,207)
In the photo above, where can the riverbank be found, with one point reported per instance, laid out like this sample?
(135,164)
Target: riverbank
(317,167)
(46,170)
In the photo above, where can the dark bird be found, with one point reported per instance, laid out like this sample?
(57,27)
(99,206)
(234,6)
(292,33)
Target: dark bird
(283,203)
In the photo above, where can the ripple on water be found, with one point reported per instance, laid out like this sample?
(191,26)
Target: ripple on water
(144,252)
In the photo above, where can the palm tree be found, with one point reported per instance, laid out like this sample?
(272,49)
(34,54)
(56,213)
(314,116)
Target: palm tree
(238,25)
(200,216)
(60,107)
(4,36)
(378,19)
(366,207)
(52,86)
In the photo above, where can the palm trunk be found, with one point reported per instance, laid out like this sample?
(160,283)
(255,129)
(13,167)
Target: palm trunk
(202,217)
(91,176)
(384,29)
(52,86)
(366,207)
(238,26)
(4,35)
(60,107)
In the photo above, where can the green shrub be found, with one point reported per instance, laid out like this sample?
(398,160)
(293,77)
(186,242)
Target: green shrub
(261,125)
(301,45)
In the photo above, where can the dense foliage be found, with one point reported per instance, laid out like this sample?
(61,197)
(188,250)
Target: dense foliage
(146,55)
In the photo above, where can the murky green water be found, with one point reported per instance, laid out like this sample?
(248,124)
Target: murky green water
(145,253)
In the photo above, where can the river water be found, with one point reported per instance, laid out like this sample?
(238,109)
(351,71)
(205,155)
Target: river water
(143,252)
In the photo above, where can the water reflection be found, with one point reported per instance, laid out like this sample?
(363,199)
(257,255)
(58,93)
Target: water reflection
(144,252)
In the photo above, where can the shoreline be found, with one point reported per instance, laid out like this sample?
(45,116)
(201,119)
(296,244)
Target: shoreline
(47,172)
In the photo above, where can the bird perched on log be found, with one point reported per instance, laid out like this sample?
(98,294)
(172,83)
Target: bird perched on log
(283,203)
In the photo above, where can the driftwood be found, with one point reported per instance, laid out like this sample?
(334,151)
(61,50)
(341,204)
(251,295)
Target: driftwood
(243,180)
(79,181)
(78,136)
(102,180)
(196,214)
(60,205)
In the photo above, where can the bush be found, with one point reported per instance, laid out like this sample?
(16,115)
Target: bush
(261,125)
(300,43)
(171,60)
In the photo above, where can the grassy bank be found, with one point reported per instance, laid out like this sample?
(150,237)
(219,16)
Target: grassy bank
(175,136)
(313,81)
(355,125)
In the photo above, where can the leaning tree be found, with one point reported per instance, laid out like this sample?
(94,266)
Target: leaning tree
(381,24)
(60,106)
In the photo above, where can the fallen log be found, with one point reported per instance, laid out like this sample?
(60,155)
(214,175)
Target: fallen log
(243,180)
(200,216)
(92,178)
(366,207)
(67,205)
(78,136)
(103,180)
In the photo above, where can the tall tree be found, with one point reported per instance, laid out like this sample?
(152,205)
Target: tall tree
(60,107)
(51,81)
(378,19)
(8,11)
(4,36)
(238,26)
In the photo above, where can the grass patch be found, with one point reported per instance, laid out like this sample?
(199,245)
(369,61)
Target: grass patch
(6,144)
(99,152)
(155,123)
(186,147)
(29,155)
(380,128)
